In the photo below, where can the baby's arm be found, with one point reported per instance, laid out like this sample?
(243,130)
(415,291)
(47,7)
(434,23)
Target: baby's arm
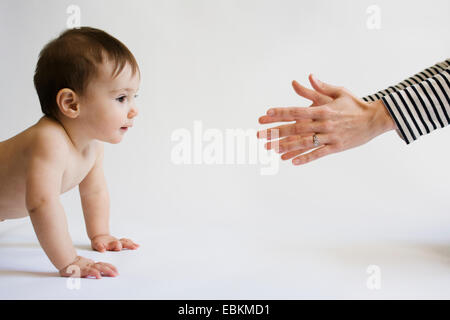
(44,176)
(95,202)
(44,173)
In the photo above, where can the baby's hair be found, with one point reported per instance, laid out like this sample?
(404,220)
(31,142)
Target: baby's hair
(71,60)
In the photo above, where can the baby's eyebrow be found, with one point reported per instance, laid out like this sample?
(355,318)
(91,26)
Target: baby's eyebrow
(121,89)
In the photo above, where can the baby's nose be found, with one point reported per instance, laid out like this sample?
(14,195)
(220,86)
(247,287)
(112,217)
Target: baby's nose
(133,113)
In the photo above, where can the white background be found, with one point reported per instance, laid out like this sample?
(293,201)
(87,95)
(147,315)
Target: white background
(226,231)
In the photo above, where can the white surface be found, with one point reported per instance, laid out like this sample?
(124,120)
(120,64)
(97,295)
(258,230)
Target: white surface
(252,259)
(226,231)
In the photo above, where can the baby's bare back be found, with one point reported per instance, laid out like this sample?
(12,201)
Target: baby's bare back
(14,157)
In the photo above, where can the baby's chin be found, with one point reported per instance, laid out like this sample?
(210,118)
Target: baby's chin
(113,137)
(115,141)
(112,140)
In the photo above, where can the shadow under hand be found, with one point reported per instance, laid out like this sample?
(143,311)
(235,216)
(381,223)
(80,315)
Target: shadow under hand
(36,245)
(28,273)
(19,245)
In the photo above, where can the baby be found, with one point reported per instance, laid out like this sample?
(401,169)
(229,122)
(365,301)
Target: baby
(86,81)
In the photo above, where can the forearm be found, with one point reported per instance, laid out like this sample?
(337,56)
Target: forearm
(96,213)
(50,224)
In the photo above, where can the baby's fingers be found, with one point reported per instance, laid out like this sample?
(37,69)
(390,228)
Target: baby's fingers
(99,246)
(128,244)
(90,272)
(115,245)
(105,269)
(113,268)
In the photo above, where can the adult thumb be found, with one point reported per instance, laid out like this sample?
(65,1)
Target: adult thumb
(324,88)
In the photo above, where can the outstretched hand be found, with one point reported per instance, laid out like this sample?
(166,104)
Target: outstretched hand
(339,119)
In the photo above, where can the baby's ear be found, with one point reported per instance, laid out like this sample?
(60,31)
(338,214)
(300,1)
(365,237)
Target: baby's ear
(68,103)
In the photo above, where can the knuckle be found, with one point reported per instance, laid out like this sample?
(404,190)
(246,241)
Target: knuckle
(327,125)
(328,110)
(337,145)
(305,141)
(323,112)
(94,272)
(296,112)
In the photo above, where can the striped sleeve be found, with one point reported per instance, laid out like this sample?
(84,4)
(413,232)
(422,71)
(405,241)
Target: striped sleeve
(421,103)
(418,77)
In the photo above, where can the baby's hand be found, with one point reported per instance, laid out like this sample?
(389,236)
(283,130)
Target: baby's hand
(106,242)
(83,268)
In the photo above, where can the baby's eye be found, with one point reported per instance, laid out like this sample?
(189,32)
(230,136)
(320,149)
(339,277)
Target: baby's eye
(121,99)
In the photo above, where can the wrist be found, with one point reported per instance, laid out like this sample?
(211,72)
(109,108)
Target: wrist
(75,260)
(382,117)
(92,238)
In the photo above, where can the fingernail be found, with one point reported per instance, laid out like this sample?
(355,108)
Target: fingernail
(296,161)
(270,112)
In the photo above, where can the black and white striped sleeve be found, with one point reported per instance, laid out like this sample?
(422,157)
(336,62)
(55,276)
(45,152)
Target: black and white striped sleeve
(419,104)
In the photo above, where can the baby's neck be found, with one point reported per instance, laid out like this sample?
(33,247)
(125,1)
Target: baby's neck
(82,143)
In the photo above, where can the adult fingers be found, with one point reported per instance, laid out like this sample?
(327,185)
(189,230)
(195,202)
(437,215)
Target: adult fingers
(313,155)
(308,93)
(295,113)
(293,129)
(268,119)
(303,142)
(325,88)
(291,154)
(276,143)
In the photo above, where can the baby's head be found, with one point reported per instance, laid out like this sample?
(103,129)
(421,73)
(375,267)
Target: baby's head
(88,77)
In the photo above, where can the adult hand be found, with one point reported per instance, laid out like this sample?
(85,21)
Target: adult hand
(339,119)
